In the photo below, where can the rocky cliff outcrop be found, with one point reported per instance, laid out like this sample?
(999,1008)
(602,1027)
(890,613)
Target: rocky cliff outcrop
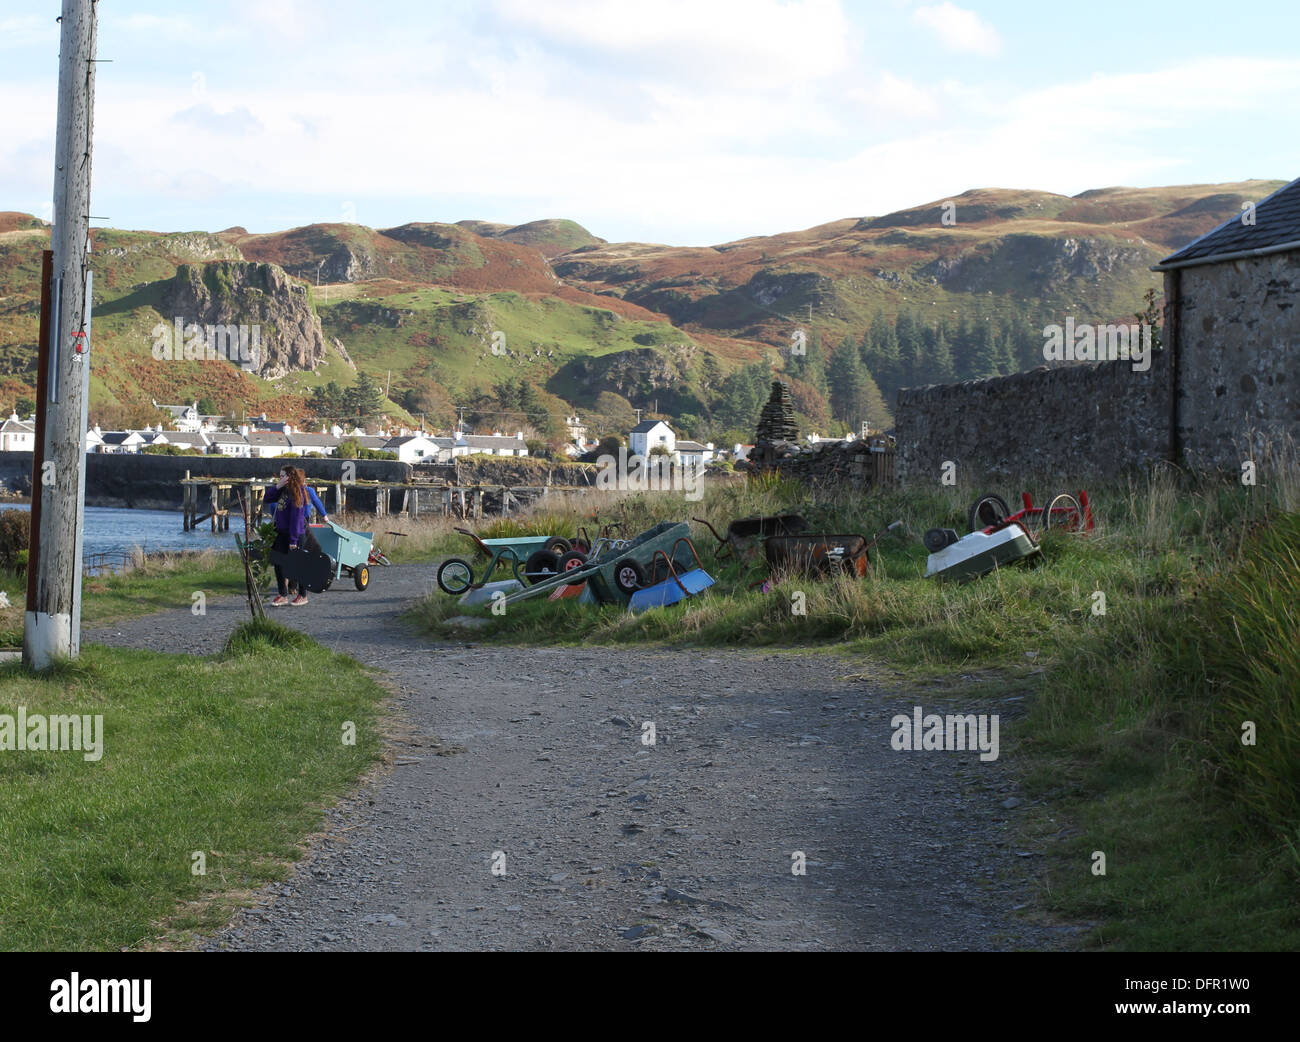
(260,296)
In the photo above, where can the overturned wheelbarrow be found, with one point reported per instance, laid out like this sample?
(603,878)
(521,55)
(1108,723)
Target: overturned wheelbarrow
(744,532)
(677,582)
(820,554)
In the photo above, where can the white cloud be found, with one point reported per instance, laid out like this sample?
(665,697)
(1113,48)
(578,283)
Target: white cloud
(959,29)
(742,41)
(684,123)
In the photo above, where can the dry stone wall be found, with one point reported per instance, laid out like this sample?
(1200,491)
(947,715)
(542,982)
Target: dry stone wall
(1078,421)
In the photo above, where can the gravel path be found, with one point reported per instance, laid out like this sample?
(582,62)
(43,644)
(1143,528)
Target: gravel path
(532,761)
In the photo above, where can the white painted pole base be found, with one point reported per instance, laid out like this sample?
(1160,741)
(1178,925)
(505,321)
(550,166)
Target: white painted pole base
(46,638)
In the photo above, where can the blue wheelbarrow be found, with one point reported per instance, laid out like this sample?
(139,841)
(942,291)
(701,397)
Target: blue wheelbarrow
(352,553)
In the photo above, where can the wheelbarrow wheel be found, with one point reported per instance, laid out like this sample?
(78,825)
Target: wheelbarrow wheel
(573,559)
(559,546)
(987,510)
(455,576)
(629,577)
(361,576)
(543,565)
(329,579)
(1065,505)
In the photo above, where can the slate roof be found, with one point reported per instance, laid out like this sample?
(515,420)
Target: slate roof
(182,438)
(690,446)
(267,438)
(1276,228)
(646,426)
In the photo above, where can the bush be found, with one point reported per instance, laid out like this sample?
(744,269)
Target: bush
(15,537)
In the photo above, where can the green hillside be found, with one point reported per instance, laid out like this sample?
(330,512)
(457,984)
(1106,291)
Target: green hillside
(481,317)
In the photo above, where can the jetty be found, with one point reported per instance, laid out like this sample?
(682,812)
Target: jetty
(214,499)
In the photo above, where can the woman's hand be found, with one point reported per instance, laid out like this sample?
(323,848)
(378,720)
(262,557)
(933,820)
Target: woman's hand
(281,481)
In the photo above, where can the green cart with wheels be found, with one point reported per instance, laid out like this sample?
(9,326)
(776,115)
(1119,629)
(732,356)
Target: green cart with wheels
(350,552)
(624,566)
(531,558)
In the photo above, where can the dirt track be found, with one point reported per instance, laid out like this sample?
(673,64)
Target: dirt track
(609,843)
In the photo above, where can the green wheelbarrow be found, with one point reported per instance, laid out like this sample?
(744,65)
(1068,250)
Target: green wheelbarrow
(532,559)
(351,552)
(622,567)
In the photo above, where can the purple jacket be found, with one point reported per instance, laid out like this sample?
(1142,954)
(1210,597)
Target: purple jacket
(288,518)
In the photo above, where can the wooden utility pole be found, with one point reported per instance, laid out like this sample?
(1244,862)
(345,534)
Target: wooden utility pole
(52,623)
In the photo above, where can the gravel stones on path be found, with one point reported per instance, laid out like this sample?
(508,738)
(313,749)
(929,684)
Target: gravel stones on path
(525,807)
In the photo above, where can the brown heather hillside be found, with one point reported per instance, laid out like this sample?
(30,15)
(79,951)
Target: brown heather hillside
(690,328)
(1024,249)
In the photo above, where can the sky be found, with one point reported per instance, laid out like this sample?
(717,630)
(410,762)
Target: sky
(690,122)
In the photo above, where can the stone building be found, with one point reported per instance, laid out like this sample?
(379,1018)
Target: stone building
(1232,328)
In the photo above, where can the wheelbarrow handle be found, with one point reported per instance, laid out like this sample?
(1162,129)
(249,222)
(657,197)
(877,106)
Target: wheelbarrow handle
(884,532)
(701,520)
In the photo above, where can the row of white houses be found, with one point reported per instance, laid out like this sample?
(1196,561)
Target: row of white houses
(247,443)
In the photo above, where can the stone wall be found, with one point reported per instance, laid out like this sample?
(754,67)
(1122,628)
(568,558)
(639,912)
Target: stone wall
(847,464)
(514,471)
(1068,423)
(1238,335)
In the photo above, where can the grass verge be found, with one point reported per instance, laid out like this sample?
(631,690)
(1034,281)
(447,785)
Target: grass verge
(231,756)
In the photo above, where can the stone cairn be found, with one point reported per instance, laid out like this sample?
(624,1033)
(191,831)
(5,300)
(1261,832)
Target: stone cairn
(776,424)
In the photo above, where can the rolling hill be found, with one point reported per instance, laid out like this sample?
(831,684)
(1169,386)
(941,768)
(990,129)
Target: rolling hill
(446,315)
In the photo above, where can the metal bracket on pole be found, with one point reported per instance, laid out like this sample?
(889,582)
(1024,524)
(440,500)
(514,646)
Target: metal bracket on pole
(83,346)
(56,336)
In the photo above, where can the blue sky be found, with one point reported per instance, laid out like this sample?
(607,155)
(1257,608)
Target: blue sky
(683,121)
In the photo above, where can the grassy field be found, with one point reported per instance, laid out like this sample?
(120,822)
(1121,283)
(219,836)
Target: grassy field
(1135,720)
(229,757)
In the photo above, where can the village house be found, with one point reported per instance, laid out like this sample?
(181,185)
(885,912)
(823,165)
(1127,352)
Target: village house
(121,441)
(265,444)
(693,454)
(649,435)
(181,439)
(187,417)
(490,444)
(303,442)
(445,448)
(412,448)
(374,442)
(17,435)
(229,443)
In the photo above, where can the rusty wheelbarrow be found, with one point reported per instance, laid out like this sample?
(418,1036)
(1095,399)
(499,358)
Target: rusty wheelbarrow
(819,554)
(744,533)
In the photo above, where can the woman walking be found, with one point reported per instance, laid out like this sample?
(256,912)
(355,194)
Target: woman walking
(290,504)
